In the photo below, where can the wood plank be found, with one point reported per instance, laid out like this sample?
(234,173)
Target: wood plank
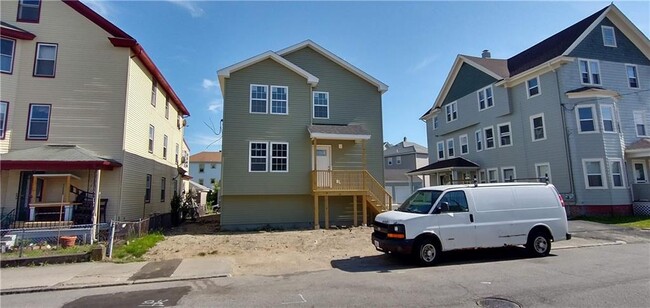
(327,212)
(316,220)
(354,209)
(365,211)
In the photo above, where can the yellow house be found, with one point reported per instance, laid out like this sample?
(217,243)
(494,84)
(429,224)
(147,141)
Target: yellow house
(88,123)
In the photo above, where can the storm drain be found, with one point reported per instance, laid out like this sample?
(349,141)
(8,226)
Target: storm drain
(495,302)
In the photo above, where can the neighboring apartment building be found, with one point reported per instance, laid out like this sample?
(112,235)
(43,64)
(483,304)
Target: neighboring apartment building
(83,110)
(205,168)
(302,141)
(399,159)
(574,107)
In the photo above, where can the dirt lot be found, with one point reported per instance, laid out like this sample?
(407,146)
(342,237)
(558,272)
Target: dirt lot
(265,253)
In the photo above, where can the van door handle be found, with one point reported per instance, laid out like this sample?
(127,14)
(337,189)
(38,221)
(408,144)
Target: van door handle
(471,217)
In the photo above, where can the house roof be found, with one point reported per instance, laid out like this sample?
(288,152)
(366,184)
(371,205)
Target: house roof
(338,132)
(12,31)
(498,67)
(642,144)
(56,157)
(452,163)
(206,157)
(591,91)
(122,39)
(405,147)
(198,186)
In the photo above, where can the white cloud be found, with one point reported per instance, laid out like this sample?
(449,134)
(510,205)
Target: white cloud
(424,63)
(190,6)
(100,6)
(216,106)
(207,83)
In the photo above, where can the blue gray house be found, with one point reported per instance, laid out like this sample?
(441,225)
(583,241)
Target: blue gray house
(574,108)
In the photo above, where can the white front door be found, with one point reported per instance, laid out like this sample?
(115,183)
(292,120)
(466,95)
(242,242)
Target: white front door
(324,162)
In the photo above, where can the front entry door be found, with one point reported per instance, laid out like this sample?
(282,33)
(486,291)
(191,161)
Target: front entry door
(324,163)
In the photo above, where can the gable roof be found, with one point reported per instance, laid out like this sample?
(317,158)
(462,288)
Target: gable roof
(122,39)
(404,147)
(381,87)
(207,157)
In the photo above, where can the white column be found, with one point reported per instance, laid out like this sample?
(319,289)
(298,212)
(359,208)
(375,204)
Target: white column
(96,207)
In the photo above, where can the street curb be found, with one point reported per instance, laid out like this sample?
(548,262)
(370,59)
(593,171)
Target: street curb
(104,285)
(591,245)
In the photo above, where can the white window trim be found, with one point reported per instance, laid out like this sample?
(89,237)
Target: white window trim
(645,171)
(389,161)
(532,127)
(313,104)
(539,88)
(645,125)
(482,176)
(38,52)
(485,142)
(602,119)
(152,138)
(514,173)
(603,175)
(250,157)
(435,122)
(594,115)
(479,134)
(478,97)
(167,108)
(444,153)
(627,78)
(13,56)
(250,99)
(148,189)
(591,81)
(460,142)
(165,142)
(613,35)
(496,170)
(455,107)
(611,173)
(154,91)
(269,160)
(539,176)
(509,132)
(398,160)
(453,147)
(271,100)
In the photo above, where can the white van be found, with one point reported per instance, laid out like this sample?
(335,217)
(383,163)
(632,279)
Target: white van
(442,218)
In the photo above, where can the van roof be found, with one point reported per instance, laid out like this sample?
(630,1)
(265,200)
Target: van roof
(447,187)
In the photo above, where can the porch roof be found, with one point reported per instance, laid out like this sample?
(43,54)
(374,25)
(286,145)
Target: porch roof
(56,157)
(338,132)
(457,163)
(639,149)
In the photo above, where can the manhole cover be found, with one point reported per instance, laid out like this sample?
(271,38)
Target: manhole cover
(495,302)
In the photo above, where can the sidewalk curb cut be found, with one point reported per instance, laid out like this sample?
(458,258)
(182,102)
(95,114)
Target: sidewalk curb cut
(591,245)
(104,285)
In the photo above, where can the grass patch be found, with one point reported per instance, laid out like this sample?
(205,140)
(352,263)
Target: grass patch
(135,249)
(32,253)
(642,222)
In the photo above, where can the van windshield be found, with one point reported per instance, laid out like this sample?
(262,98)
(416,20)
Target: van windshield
(420,202)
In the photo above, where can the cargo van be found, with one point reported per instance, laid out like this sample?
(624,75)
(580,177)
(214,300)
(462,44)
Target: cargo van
(442,218)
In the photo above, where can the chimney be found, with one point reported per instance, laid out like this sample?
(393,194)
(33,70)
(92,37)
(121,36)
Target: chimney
(486,54)
(404,139)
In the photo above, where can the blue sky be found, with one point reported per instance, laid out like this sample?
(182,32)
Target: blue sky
(410,46)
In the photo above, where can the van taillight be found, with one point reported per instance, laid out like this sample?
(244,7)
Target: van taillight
(561,200)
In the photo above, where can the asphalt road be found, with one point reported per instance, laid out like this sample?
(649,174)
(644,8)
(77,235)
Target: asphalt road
(606,276)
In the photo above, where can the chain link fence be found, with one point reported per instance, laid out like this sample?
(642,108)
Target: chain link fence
(123,231)
(30,237)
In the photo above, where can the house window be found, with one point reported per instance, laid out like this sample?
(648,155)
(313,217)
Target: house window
(479,140)
(167,108)
(493,175)
(165,147)
(257,157)
(508,174)
(7,55)
(163,187)
(504,135)
(607,118)
(4,107)
(482,176)
(176,154)
(213,166)
(616,171)
(632,76)
(441,150)
(212,180)
(435,123)
(39,122)
(398,160)
(175,186)
(279,157)
(586,119)
(279,100)
(201,181)
(593,171)
(321,105)
(485,99)
(154,91)
(489,137)
(537,127)
(542,171)
(640,172)
(450,148)
(533,87)
(259,96)
(152,133)
(29,10)
(609,37)
(589,71)
(201,167)
(452,112)
(464,146)
(390,161)
(45,64)
(147,191)
(639,123)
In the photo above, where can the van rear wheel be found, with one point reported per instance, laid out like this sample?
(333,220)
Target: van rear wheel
(428,253)
(539,244)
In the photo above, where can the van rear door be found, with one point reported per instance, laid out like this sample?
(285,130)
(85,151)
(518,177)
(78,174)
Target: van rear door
(456,221)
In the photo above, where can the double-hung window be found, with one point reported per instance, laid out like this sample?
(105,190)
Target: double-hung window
(45,64)
(533,87)
(632,76)
(321,105)
(29,10)
(7,49)
(279,157)
(589,72)
(176,154)
(450,148)
(39,122)
(505,139)
(154,92)
(508,174)
(479,140)
(451,111)
(485,98)
(201,167)
(435,122)
(464,146)
(440,146)
(167,108)
(152,133)
(279,100)
(607,118)
(489,137)
(4,107)
(609,36)
(258,155)
(543,170)
(616,172)
(147,190)
(163,190)
(639,124)
(537,127)
(398,160)
(586,116)
(594,173)
(389,161)
(493,176)
(640,172)
(259,98)
(165,140)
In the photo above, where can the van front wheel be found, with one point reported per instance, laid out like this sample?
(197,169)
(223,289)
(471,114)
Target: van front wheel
(539,244)
(428,253)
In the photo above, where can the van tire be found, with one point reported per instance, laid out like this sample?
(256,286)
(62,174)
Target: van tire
(539,244)
(428,252)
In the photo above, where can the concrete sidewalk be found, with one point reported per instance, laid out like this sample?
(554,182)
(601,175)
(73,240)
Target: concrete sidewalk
(104,274)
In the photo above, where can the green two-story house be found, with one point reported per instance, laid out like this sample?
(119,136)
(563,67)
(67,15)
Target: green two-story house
(302,141)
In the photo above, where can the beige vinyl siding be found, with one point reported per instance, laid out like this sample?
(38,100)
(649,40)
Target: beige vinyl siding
(8,189)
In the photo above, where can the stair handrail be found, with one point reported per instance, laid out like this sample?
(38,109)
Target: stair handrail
(375,189)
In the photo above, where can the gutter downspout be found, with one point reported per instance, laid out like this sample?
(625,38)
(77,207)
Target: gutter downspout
(566,140)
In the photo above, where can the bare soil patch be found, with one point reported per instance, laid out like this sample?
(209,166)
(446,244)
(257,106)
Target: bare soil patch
(265,252)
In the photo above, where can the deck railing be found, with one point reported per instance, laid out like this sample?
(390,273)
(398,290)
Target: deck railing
(352,182)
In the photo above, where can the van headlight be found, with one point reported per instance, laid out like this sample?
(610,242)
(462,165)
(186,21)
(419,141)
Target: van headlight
(397,228)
